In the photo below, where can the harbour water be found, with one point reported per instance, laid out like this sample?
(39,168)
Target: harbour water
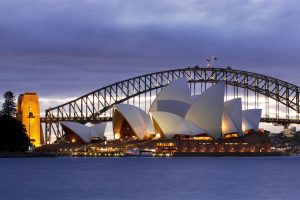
(223,178)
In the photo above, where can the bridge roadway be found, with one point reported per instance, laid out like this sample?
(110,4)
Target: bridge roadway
(277,121)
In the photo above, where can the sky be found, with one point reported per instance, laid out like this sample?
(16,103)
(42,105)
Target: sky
(63,49)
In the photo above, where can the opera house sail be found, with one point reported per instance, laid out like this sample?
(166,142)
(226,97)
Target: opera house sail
(79,133)
(232,118)
(175,113)
(131,121)
(207,110)
(175,98)
(251,119)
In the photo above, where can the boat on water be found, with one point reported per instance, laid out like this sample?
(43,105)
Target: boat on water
(138,153)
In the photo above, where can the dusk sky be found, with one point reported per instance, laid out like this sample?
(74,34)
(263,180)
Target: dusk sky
(62,49)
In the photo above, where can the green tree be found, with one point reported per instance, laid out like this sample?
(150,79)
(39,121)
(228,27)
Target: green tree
(13,134)
(9,105)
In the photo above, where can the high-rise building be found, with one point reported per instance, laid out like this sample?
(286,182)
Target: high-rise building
(289,131)
(28,112)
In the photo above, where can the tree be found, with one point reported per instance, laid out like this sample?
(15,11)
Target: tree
(13,134)
(9,105)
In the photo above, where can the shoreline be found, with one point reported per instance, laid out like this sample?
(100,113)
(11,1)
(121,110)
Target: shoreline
(177,154)
(228,154)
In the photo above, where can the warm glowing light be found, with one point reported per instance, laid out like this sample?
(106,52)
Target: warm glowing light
(231,135)
(165,144)
(149,136)
(117,136)
(224,127)
(244,126)
(202,138)
(157,135)
(246,132)
(28,111)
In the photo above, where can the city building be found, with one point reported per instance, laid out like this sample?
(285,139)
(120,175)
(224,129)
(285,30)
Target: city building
(289,131)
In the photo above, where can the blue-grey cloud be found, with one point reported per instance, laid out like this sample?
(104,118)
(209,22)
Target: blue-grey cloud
(65,48)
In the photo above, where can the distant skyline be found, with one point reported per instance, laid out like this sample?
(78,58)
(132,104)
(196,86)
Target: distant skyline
(62,49)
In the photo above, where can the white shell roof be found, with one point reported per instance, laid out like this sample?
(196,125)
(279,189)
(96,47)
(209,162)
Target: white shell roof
(207,110)
(246,125)
(176,107)
(85,132)
(251,119)
(98,130)
(232,117)
(194,97)
(149,125)
(172,124)
(177,92)
(177,112)
(138,120)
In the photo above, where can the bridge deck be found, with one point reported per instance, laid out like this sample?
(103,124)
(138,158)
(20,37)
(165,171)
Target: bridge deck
(107,119)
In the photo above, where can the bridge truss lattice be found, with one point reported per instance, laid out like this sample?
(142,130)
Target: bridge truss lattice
(278,99)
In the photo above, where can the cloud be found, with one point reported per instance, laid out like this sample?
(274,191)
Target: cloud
(66,48)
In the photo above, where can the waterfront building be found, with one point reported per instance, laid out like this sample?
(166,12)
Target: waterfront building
(289,131)
(177,123)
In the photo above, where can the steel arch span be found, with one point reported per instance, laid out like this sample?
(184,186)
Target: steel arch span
(278,99)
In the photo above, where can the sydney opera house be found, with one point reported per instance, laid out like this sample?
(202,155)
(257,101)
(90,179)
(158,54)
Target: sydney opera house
(180,122)
(175,113)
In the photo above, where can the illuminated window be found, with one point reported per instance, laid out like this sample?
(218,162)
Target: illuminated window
(231,135)
(165,144)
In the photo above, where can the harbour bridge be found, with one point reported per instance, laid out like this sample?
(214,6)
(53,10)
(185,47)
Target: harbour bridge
(278,99)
